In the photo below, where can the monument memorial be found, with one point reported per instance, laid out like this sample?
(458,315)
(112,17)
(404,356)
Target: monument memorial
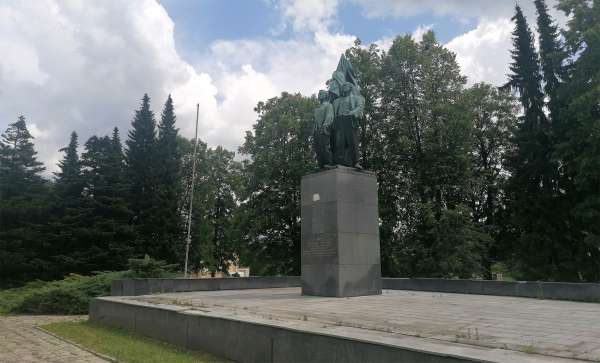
(339,208)
(266,319)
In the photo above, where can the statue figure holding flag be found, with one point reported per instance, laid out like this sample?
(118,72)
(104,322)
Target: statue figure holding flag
(337,144)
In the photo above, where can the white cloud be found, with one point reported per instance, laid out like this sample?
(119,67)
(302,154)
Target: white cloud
(308,15)
(420,31)
(457,8)
(84,66)
(72,65)
(484,52)
(269,67)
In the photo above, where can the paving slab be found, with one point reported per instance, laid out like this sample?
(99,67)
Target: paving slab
(494,328)
(20,341)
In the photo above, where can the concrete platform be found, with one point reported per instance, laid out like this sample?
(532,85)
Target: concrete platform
(281,325)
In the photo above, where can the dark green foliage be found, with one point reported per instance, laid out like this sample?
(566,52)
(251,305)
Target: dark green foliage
(280,153)
(142,176)
(24,206)
(168,221)
(153,171)
(494,115)
(106,232)
(551,55)
(71,295)
(215,208)
(148,267)
(579,150)
(469,178)
(448,245)
(423,160)
(69,181)
(64,245)
(537,227)
(200,189)
(19,168)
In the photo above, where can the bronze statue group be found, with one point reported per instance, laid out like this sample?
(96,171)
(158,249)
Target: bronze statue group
(336,119)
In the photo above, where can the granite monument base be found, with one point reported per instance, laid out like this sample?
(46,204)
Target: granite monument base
(340,233)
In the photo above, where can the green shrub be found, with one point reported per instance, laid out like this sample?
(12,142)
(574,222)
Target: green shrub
(71,295)
(148,267)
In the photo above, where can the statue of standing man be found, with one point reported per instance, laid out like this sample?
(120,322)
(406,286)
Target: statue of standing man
(348,109)
(323,119)
(337,119)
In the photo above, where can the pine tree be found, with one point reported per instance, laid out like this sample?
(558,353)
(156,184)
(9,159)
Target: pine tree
(66,244)
(108,233)
(168,165)
(69,182)
(531,192)
(141,172)
(20,171)
(115,170)
(551,55)
(24,200)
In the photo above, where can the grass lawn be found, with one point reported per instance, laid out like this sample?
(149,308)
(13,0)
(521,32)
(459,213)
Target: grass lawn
(125,346)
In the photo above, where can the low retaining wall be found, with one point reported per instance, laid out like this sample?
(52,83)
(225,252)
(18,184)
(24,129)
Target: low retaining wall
(250,342)
(134,287)
(587,292)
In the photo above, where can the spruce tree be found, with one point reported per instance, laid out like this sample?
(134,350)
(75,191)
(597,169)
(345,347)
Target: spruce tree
(66,244)
(551,55)
(553,73)
(116,165)
(24,200)
(69,182)
(536,225)
(141,172)
(108,233)
(168,166)
(20,171)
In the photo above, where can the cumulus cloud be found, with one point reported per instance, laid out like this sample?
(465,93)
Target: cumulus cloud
(84,66)
(484,52)
(420,31)
(457,8)
(308,15)
(408,8)
(73,65)
(249,71)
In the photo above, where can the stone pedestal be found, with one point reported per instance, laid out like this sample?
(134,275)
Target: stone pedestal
(340,233)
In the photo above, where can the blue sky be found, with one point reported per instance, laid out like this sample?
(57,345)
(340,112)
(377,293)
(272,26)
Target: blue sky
(200,22)
(79,65)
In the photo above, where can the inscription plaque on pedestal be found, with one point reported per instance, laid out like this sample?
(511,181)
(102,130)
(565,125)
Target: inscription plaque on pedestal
(340,233)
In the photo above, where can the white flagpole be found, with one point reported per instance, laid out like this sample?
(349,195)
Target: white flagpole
(189,221)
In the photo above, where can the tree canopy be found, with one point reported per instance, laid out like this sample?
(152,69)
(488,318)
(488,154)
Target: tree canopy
(473,179)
